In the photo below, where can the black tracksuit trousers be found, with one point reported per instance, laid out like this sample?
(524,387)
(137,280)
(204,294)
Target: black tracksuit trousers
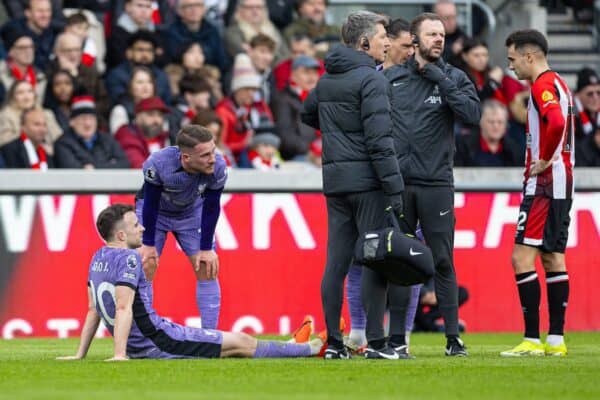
(348,216)
(433,207)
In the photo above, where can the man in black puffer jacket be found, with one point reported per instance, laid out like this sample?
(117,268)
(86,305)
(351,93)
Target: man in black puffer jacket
(361,176)
(427,96)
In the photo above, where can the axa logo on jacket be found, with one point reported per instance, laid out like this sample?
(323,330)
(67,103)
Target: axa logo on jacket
(435,97)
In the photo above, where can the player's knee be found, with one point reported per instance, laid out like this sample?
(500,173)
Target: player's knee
(238,344)
(516,262)
(246,342)
(523,259)
(553,262)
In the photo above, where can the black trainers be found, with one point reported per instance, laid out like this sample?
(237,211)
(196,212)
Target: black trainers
(456,348)
(336,354)
(386,353)
(402,350)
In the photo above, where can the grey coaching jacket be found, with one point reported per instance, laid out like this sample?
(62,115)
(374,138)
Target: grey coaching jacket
(351,107)
(423,116)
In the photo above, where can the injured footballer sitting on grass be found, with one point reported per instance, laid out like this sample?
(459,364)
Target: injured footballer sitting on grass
(120,295)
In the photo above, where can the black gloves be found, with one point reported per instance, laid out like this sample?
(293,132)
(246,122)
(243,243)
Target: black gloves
(433,73)
(396,208)
(397,204)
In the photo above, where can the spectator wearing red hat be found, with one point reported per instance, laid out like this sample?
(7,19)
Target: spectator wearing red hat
(83,146)
(240,113)
(146,134)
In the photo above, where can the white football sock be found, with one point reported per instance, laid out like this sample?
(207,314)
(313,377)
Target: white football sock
(555,340)
(534,340)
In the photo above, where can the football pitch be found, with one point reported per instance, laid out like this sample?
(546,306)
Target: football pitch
(28,371)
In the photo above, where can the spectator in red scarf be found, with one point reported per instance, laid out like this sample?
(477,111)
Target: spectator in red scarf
(296,137)
(587,103)
(40,23)
(19,64)
(263,154)
(27,151)
(146,134)
(240,112)
(78,25)
(475,63)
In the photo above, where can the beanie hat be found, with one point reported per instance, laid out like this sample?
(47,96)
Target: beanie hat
(586,76)
(305,61)
(82,105)
(244,74)
(13,33)
(265,138)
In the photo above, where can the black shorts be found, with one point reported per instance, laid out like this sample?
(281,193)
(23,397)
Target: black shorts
(544,223)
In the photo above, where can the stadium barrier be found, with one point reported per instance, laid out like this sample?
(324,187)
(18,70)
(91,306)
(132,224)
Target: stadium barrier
(271,238)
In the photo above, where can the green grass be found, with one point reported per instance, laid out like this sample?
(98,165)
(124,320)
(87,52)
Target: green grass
(28,371)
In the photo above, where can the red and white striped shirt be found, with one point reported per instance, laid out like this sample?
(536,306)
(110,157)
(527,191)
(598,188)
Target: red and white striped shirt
(549,92)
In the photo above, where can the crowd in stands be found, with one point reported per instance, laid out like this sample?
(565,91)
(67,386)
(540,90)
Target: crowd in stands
(103,84)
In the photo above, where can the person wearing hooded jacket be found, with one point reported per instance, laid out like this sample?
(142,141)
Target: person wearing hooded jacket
(361,177)
(427,96)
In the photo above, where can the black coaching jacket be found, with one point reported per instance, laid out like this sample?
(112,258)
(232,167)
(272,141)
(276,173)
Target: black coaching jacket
(423,117)
(351,107)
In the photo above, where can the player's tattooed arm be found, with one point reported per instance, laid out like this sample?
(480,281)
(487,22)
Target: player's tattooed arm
(90,326)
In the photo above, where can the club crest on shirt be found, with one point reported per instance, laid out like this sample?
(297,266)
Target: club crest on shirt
(131,262)
(547,96)
(151,174)
(201,188)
